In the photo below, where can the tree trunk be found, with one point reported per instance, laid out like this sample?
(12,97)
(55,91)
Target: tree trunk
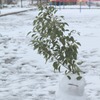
(32,1)
(0,3)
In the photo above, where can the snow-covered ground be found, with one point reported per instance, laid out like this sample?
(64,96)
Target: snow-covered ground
(11,10)
(24,74)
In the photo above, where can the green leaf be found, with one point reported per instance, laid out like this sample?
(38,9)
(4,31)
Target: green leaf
(79,78)
(69,67)
(59,68)
(66,24)
(34,22)
(78,43)
(62,40)
(62,16)
(29,33)
(55,65)
(55,11)
(69,77)
(79,63)
(33,35)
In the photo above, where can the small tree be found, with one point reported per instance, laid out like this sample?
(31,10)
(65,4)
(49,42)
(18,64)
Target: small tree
(52,38)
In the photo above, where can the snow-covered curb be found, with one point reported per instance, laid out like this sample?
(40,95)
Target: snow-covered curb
(4,12)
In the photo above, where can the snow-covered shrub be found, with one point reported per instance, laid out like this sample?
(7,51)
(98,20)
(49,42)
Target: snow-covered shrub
(52,38)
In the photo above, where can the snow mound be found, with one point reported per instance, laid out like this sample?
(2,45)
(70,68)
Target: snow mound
(72,89)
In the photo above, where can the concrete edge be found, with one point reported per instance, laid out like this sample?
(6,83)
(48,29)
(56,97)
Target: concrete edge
(11,13)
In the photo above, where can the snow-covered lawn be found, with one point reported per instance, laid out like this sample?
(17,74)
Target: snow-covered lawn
(24,74)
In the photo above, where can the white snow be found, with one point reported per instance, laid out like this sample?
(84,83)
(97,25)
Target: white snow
(72,89)
(10,10)
(24,74)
